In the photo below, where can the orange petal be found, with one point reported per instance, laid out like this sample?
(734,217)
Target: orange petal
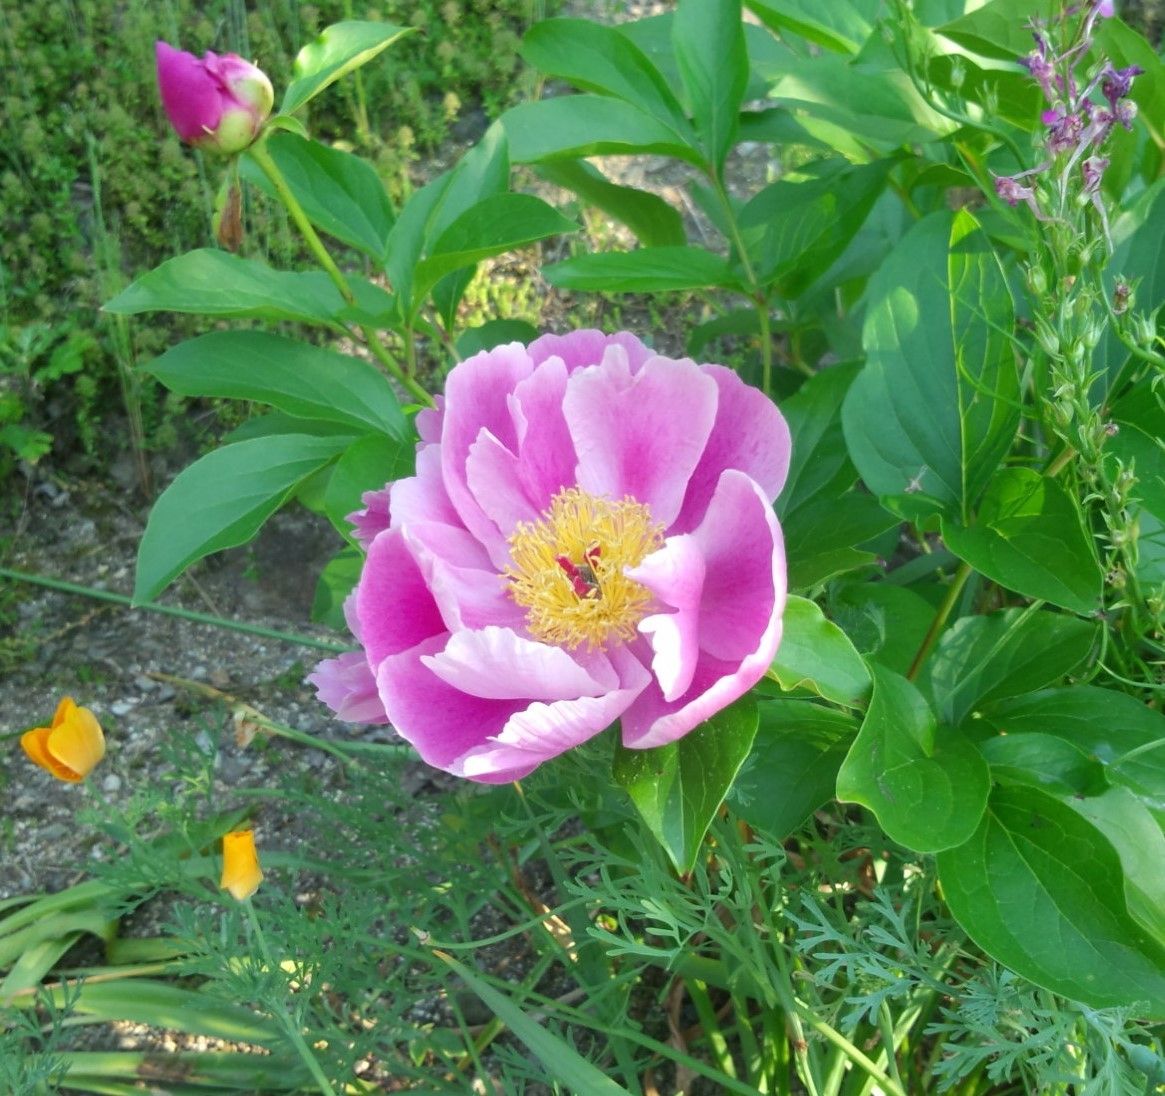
(35,743)
(241,874)
(64,709)
(76,743)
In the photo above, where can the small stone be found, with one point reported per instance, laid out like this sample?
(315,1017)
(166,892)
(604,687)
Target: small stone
(111,783)
(219,678)
(146,684)
(121,707)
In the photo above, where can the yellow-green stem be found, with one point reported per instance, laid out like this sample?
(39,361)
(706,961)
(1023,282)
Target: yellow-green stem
(940,619)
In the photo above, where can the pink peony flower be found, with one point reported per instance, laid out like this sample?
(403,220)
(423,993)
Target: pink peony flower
(216,103)
(589,536)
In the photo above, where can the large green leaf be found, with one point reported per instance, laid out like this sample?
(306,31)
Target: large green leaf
(677,789)
(648,270)
(217,283)
(600,59)
(984,658)
(792,768)
(336,582)
(340,193)
(824,537)
(795,228)
(935,409)
(884,622)
(1041,889)
(996,29)
(498,223)
(570,126)
(816,654)
(841,25)
(708,38)
(653,221)
(819,464)
(1126,736)
(295,377)
(926,784)
(338,50)
(221,500)
(1028,535)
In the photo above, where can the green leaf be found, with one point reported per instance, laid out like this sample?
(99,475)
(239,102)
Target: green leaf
(996,29)
(984,658)
(678,788)
(820,464)
(794,229)
(840,25)
(482,172)
(341,194)
(1043,761)
(366,465)
(1126,736)
(499,223)
(927,785)
(1028,536)
(884,622)
(494,333)
(341,48)
(816,654)
(792,768)
(708,38)
(600,59)
(823,537)
(217,283)
(1040,889)
(557,1056)
(336,582)
(648,270)
(935,409)
(295,377)
(570,126)
(221,500)
(654,222)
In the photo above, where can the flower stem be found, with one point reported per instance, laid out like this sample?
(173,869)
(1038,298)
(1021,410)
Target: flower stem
(289,1024)
(940,619)
(258,152)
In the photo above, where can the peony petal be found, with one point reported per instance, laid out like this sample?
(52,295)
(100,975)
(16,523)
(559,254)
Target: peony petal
(578,349)
(440,720)
(468,590)
(347,686)
(749,434)
(498,664)
(422,497)
(372,519)
(494,476)
(640,435)
(476,402)
(394,608)
(741,604)
(547,460)
(675,575)
(543,731)
(191,95)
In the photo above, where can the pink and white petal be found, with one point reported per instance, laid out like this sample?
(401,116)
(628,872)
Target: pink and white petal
(347,686)
(547,460)
(443,722)
(741,608)
(393,606)
(497,664)
(579,349)
(745,580)
(372,519)
(422,497)
(543,731)
(749,434)
(494,475)
(675,575)
(640,434)
(430,420)
(477,400)
(467,589)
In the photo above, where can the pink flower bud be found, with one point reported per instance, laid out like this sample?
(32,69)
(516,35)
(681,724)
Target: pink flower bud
(217,103)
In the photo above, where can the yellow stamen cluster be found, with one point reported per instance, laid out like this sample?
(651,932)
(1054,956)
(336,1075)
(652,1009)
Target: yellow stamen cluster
(598,538)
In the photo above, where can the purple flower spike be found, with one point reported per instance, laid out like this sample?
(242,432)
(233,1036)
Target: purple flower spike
(1116,83)
(1066,130)
(1092,171)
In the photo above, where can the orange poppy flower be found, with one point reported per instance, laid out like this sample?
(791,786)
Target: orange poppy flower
(241,874)
(71,747)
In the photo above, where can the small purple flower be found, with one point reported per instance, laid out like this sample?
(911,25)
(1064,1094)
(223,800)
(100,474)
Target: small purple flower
(1116,83)
(1011,191)
(1106,9)
(1042,72)
(1092,171)
(1066,130)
